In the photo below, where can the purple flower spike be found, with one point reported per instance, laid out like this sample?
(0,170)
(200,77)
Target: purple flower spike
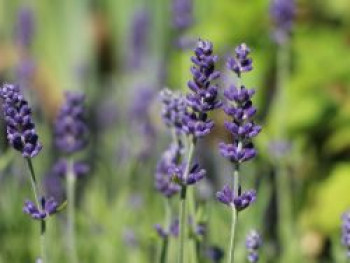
(282,13)
(21,132)
(204,96)
(182,14)
(48,208)
(253,243)
(174,107)
(25,27)
(70,126)
(173,229)
(241,202)
(240,63)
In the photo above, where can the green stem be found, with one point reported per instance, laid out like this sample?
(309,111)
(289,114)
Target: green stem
(70,180)
(182,213)
(164,251)
(231,248)
(35,189)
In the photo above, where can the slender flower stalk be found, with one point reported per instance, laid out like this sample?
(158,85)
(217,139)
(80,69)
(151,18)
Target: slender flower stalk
(282,15)
(70,138)
(22,136)
(242,129)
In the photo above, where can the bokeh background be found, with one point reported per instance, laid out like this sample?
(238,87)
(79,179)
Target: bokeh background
(121,54)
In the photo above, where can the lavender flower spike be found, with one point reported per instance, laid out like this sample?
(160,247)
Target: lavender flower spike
(48,207)
(282,13)
(241,62)
(21,132)
(182,14)
(25,27)
(253,243)
(70,126)
(204,96)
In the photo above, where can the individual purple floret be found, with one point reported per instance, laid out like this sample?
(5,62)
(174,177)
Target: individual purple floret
(345,229)
(174,107)
(25,27)
(204,96)
(282,13)
(195,174)
(215,254)
(70,126)
(182,14)
(20,128)
(48,207)
(173,229)
(241,62)
(163,180)
(240,202)
(253,243)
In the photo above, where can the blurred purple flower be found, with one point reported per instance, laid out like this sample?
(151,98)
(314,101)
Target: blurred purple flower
(345,232)
(282,13)
(215,254)
(182,11)
(25,26)
(129,238)
(21,132)
(177,173)
(253,243)
(80,168)
(173,229)
(71,131)
(140,31)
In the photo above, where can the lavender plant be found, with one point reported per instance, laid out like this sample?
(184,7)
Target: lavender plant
(22,136)
(242,129)
(196,124)
(253,243)
(70,138)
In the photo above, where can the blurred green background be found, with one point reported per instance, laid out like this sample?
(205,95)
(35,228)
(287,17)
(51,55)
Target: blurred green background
(88,46)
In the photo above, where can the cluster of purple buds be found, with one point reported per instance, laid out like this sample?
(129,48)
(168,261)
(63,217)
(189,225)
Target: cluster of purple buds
(163,180)
(174,108)
(345,227)
(173,229)
(48,207)
(242,128)
(240,202)
(240,62)
(204,96)
(195,174)
(253,243)
(282,13)
(21,132)
(70,126)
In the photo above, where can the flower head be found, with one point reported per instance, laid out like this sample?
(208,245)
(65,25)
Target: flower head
(173,229)
(48,208)
(204,95)
(240,62)
(195,174)
(80,168)
(239,202)
(20,127)
(70,126)
(253,243)
(182,14)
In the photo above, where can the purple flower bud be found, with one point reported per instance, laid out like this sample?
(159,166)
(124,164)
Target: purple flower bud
(177,173)
(70,127)
(240,63)
(21,132)
(182,14)
(25,27)
(80,168)
(345,229)
(215,254)
(173,229)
